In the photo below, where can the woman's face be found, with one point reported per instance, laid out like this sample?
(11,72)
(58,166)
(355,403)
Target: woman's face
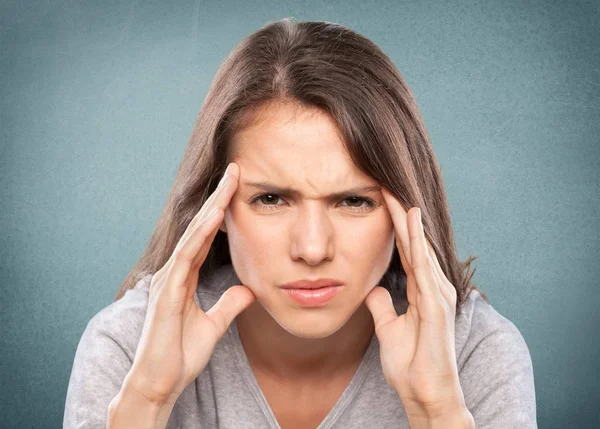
(276,238)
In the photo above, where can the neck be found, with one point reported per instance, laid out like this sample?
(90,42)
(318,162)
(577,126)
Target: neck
(272,350)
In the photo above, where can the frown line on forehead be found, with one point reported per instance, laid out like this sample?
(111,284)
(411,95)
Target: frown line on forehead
(274,189)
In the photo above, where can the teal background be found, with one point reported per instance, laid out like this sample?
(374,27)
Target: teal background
(98,100)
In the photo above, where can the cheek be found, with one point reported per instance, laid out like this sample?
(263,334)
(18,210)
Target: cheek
(253,244)
(371,246)
(249,232)
(371,235)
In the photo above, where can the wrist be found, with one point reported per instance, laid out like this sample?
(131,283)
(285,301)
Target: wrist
(130,409)
(460,418)
(452,413)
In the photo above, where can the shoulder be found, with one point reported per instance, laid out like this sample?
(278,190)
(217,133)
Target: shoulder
(122,320)
(495,367)
(104,355)
(480,325)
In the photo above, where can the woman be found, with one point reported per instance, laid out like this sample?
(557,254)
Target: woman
(330,176)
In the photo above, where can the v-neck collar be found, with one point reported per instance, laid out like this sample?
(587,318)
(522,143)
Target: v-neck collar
(339,407)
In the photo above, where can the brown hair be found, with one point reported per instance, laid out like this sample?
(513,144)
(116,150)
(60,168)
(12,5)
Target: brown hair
(314,65)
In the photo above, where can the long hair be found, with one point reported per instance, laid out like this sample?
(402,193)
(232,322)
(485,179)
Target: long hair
(315,65)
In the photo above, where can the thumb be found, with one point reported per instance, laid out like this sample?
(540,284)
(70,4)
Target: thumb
(379,302)
(233,301)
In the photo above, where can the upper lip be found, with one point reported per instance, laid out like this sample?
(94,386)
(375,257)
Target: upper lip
(312,284)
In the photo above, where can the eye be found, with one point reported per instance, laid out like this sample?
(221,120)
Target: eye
(364,204)
(262,197)
(357,199)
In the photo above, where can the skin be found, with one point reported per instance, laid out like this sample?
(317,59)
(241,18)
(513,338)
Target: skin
(308,235)
(283,238)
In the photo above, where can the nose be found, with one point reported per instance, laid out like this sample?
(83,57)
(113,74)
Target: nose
(313,236)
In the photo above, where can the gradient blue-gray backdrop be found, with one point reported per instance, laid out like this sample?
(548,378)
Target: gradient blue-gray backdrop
(98,100)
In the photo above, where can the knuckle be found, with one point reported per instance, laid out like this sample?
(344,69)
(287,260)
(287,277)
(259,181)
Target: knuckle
(449,310)
(429,261)
(181,256)
(443,313)
(156,278)
(234,302)
(430,266)
(418,265)
(453,292)
(220,321)
(201,227)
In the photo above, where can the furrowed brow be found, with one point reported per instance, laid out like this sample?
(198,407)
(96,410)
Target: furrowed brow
(273,189)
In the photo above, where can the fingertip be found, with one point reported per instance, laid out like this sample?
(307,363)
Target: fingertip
(384,292)
(387,196)
(373,294)
(235,168)
(244,294)
(377,288)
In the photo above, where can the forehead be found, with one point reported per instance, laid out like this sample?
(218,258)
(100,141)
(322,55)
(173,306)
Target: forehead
(285,133)
(296,148)
(277,126)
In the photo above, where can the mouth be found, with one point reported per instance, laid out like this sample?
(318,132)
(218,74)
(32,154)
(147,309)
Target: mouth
(314,297)
(312,284)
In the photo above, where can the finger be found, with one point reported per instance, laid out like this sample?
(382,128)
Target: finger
(380,304)
(446,288)
(200,217)
(399,218)
(209,203)
(154,284)
(184,260)
(231,303)
(215,200)
(411,290)
(219,200)
(192,249)
(421,263)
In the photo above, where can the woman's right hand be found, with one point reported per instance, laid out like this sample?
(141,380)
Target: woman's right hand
(178,338)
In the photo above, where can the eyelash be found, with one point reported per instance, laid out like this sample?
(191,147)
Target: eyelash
(370,203)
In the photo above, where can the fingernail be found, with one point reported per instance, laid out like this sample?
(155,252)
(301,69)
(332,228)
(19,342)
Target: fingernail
(419,213)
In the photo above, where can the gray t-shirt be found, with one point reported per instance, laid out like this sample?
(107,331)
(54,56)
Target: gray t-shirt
(495,372)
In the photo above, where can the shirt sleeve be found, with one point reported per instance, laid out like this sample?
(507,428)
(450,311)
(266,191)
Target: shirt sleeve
(103,358)
(497,375)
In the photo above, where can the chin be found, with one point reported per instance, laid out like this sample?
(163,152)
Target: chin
(306,333)
(310,324)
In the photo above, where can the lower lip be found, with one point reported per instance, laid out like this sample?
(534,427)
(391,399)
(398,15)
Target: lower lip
(313,297)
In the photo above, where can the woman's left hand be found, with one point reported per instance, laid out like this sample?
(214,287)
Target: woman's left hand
(417,348)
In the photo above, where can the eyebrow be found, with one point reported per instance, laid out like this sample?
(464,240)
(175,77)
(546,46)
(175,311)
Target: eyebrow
(270,188)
